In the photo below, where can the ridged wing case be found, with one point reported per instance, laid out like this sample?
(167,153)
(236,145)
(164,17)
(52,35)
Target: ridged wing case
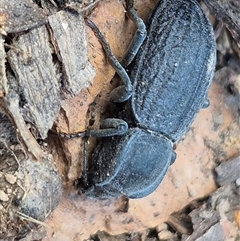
(173,70)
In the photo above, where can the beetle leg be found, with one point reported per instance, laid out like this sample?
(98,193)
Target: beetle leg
(139,36)
(173,157)
(125,91)
(109,127)
(66,135)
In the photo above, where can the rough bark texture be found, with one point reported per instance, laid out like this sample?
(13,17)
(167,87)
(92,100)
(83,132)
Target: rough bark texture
(70,42)
(18,16)
(228,172)
(31,62)
(228,12)
(3,82)
(44,63)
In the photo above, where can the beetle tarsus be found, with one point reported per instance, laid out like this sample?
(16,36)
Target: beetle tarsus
(109,127)
(206,103)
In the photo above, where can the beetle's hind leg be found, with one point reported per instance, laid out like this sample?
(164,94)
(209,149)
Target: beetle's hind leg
(109,127)
(139,35)
(122,92)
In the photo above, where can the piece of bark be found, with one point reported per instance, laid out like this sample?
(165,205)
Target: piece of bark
(3,79)
(38,77)
(42,185)
(228,172)
(202,221)
(214,233)
(31,61)
(70,42)
(179,226)
(20,15)
(82,6)
(226,201)
(10,106)
(228,12)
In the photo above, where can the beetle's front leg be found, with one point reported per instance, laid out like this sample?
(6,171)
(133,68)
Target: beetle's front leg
(122,92)
(139,35)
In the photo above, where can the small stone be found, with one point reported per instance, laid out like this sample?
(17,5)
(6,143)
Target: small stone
(162,226)
(9,191)
(238,182)
(192,192)
(10,178)
(218,119)
(165,235)
(12,147)
(3,196)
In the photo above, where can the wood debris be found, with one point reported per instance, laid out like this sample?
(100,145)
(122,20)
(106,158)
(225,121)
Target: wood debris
(70,42)
(20,15)
(228,172)
(37,78)
(3,78)
(31,62)
(227,12)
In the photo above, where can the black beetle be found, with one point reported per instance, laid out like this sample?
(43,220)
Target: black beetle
(170,77)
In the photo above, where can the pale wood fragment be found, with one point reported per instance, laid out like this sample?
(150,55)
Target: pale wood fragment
(178,225)
(3,79)
(202,223)
(31,61)
(70,42)
(10,105)
(228,172)
(228,12)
